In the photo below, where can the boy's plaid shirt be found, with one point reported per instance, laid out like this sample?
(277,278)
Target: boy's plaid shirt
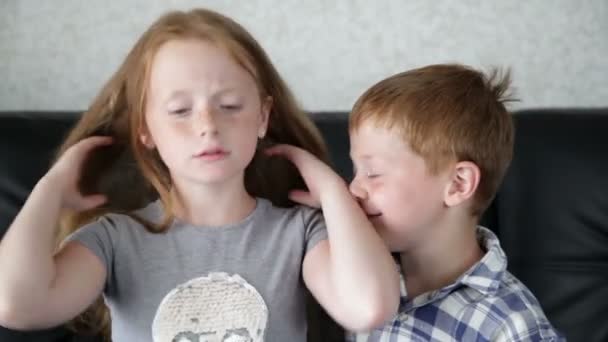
(487,303)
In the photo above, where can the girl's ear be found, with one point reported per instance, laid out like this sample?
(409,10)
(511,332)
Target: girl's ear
(146,138)
(265,118)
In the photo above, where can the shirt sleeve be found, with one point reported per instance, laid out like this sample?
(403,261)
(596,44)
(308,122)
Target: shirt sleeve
(100,237)
(315,228)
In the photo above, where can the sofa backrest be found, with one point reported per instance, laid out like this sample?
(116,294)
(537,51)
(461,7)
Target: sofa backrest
(552,216)
(551,213)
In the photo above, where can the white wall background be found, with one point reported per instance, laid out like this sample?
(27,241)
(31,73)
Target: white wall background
(56,55)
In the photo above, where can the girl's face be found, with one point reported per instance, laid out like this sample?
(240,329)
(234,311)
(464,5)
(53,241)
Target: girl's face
(203,112)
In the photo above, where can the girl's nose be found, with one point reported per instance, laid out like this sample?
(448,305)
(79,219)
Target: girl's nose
(205,123)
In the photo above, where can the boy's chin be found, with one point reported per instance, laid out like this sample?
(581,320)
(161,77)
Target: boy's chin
(376,221)
(395,242)
(380,229)
(396,248)
(388,240)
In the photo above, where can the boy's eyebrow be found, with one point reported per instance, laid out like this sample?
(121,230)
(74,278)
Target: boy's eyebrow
(361,156)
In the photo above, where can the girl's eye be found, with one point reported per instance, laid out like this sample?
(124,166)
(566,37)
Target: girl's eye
(230,107)
(180,111)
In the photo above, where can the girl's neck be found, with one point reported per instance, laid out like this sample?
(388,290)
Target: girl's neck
(212,205)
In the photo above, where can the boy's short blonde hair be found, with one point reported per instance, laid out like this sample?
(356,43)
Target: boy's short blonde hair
(447,113)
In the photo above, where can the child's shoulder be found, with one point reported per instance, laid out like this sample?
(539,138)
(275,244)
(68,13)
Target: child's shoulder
(115,221)
(515,296)
(519,312)
(503,286)
(507,302)
(297,211)
(272,215)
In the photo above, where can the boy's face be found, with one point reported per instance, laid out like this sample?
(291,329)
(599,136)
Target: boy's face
(403,200)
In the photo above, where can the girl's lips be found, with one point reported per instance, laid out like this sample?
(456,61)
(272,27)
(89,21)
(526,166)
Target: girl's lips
(212,154)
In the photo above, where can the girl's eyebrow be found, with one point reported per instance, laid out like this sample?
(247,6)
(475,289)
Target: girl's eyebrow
(226,90)
(176,93)
(184,92)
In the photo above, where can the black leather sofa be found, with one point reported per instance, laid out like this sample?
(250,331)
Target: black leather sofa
(551,213)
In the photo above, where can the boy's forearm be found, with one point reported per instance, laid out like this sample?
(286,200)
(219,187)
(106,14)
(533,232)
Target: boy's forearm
(363,272)
(26,251)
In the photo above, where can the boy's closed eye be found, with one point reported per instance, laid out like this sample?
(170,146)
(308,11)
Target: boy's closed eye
(366,172)
(372,175)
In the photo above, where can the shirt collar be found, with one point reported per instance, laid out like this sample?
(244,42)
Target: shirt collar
(486,275)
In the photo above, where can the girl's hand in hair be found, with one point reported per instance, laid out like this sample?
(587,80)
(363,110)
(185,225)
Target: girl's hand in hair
(318,176)
(64,175)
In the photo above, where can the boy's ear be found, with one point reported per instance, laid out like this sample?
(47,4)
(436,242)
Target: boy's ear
(266,109)
(462,184)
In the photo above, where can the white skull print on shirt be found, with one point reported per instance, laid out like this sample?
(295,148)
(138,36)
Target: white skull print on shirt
(215,308)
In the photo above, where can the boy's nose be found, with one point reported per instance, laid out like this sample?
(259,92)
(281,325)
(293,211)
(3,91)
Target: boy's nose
(357,190)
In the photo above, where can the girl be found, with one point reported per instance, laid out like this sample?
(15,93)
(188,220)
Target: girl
(216,252)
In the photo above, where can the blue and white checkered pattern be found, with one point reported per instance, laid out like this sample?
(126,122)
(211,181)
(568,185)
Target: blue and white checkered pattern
(487,303)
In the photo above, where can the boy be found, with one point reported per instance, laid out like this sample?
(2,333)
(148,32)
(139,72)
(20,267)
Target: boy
(430,147)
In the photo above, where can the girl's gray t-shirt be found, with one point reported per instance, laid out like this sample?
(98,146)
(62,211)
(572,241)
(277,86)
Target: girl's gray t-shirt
(240,282)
